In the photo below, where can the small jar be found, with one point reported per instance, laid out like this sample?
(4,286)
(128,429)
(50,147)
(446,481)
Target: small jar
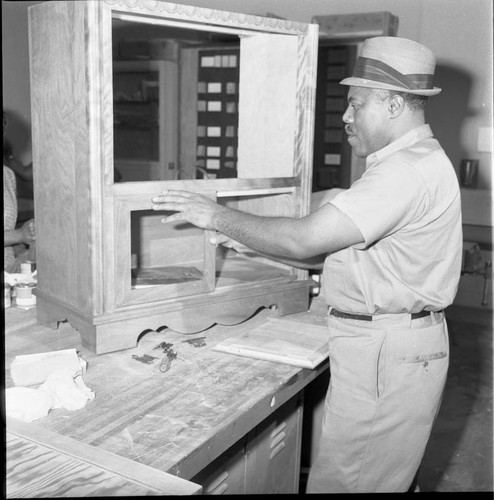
(24,296)
(28,267)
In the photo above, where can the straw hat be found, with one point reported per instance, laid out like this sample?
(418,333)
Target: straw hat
(393,63)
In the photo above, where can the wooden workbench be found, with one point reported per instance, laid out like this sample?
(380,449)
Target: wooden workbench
(178,421)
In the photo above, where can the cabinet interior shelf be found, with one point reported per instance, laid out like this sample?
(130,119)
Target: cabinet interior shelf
(222,187)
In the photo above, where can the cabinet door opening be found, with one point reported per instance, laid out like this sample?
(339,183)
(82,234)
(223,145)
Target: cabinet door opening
(160,261)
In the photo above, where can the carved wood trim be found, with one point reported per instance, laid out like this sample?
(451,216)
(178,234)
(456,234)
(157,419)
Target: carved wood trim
(204,15)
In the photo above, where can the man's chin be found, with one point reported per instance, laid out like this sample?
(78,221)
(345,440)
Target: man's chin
(358,152)
(354,143)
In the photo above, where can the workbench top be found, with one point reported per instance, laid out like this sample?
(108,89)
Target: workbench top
(176,421)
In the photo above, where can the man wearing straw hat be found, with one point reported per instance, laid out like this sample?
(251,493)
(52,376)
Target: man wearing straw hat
(391,247)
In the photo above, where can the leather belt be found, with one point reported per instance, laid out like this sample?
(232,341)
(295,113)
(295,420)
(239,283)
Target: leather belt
(368,317)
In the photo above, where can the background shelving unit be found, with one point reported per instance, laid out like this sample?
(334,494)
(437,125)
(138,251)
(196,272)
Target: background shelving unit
(332,153)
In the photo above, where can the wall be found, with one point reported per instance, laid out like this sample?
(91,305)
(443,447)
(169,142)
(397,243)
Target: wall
(15,74)
(458,31)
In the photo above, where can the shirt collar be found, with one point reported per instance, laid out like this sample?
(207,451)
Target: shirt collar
(416,135)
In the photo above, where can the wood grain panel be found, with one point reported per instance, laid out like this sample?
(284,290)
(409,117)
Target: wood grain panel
(43,464)
(160,244)
(306,99)
(52,98)
(283,205)
(267,105)
(99,102)
(121,254)
(281,341)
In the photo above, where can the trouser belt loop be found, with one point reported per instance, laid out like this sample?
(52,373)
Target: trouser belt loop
(368,317)
(421,314)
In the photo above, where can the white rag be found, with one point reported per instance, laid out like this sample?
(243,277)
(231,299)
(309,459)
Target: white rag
(61,389)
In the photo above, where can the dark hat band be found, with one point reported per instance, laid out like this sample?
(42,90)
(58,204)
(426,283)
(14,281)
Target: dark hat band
(378,71)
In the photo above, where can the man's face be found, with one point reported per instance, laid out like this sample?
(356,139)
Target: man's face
(367,121)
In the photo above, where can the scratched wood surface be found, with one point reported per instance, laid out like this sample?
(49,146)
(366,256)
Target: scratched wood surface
(176,421)
(47,465)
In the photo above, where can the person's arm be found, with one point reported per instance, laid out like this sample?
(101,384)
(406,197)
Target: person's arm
(324,231)
(316,262)
(24,234)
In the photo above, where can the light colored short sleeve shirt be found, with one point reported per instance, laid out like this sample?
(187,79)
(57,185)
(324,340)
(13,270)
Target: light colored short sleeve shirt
(408,209)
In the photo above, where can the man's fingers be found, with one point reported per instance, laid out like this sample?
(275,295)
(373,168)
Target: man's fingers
(172,195)
(177,192)
(171,206)
(174,217)
(174,201)
(191,207)
(169,199)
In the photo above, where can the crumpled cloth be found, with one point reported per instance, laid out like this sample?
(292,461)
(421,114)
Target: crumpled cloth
(67,391)
(27,404)
(14,278)
(61,389)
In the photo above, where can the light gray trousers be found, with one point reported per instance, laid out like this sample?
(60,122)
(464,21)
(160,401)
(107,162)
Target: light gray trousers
(385,390)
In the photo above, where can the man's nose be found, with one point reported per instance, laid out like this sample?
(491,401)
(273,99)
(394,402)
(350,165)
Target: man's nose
(348,115)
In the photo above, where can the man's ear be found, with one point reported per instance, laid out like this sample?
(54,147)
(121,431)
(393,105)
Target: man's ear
(396,105)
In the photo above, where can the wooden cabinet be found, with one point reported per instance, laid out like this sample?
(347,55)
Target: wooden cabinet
(266,461)
(106,263)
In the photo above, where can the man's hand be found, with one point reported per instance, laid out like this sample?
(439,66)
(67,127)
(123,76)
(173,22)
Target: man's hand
(191,207)
(28,232)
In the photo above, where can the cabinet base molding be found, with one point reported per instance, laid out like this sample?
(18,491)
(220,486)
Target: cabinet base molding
(121,329)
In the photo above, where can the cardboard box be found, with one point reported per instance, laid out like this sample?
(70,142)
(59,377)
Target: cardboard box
(362,25)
